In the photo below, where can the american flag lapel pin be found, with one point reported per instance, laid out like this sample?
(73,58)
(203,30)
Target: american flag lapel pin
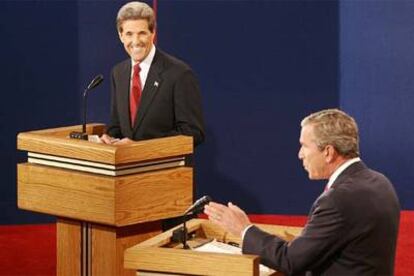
(156,83)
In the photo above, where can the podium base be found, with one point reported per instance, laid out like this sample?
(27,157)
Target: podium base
(105,253)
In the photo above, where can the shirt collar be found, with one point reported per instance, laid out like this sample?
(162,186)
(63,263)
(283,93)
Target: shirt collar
(340,169)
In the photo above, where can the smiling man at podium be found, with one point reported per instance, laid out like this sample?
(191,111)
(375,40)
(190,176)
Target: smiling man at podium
(153,94)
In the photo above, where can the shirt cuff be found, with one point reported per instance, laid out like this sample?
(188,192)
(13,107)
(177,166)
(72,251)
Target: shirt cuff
(245,231)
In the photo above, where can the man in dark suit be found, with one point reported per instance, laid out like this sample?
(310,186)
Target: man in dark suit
(352,226)
(153,94)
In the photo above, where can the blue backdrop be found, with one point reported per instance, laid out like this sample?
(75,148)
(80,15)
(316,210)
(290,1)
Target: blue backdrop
(377,85)
(262,66)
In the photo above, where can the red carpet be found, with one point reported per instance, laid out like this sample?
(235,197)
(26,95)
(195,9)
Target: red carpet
(28,250)
(404,263)
(31,249)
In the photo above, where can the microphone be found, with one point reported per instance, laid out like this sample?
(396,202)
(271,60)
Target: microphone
(94,83)
(180,234)
(198,206)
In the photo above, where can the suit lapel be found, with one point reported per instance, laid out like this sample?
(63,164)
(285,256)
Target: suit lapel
(151,88)
(124,83)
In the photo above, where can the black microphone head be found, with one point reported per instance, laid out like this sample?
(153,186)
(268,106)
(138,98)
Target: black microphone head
(206,199)
(95,82)
(198,206)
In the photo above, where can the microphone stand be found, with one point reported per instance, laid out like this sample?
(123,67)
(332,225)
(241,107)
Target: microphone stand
(85,99)
(185,233)
(83,135)
(181,234)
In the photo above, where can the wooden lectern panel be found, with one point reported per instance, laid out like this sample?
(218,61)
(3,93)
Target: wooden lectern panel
(107,247)
(68,247)
(57,142)
(119,201)
(109,244)
(99,216)
(161,254)
(192,263)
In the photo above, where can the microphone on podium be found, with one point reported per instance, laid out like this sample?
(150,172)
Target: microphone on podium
(94,83)
(181,234)
(198,206)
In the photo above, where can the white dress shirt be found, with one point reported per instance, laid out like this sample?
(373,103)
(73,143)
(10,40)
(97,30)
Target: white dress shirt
(145,66)
(340,169)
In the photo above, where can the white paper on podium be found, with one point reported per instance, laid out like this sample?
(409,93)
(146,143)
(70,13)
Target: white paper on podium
(220,247)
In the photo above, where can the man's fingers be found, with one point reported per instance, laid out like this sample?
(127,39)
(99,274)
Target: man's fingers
(216,205)
(231,218)
(106,139)
(207,210)
(235,208)
(123,141)
(216,212)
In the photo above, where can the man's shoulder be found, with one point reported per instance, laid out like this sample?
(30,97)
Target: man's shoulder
(359,183)
(172,61)
(360,173)
(121,65)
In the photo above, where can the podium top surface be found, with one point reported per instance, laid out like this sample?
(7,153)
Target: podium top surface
(56,141)
(172,258)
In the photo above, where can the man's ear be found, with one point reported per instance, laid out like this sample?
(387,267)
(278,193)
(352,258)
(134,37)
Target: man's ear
(154,35)
(330,153)
(120,35)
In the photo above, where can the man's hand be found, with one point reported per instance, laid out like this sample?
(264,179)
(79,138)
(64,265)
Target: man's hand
(231,218)
(123,141)
(105,138)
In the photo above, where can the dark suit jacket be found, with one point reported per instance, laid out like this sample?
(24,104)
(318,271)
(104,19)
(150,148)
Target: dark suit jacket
(170,102)
(352,230)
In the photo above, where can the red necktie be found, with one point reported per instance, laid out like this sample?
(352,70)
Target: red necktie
(135,95)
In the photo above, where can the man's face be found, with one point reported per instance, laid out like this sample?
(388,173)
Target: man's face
(314,160)
(137,38)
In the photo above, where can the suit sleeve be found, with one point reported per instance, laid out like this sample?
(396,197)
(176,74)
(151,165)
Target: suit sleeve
(318,242)
(114,128)
(187,107)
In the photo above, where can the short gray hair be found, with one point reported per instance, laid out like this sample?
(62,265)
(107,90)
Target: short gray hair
(335,127)
(135,11)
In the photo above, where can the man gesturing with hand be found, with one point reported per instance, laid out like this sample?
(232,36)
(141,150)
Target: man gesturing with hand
(352,226)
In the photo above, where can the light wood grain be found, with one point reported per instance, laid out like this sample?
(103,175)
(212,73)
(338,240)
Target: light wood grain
(94,128)
(109,243)
(199,263)
(104,251)
(57,142)
(119,201)
(68,245)
(107,246)
(206,229)
(153,195)
(285,232)
(154,149)
(66,193)
(131,235)
(190,262)
(123,210)
(66,147)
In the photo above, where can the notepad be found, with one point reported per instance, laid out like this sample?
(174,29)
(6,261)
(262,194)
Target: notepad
(219,247)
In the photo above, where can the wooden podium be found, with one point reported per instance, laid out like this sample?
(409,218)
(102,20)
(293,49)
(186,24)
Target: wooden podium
(160,254)
(106,198)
